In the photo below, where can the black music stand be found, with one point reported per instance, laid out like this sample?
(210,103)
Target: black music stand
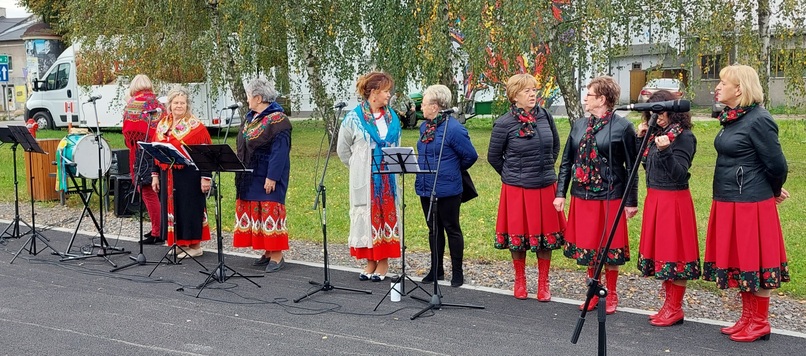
(29,144)
(321,193)
(218,158)
(168,154)
(7,137)
(403,161)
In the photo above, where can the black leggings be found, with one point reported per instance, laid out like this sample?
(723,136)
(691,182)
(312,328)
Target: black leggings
(447,220)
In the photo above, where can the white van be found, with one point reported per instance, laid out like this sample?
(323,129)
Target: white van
(58,99)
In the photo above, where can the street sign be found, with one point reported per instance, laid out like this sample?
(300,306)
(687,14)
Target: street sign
(4,59)
(4,72)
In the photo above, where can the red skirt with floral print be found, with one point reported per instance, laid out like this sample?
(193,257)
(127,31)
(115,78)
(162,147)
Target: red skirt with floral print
(385,233)
(669,248)
(588,221)
(260,225)
(527,220)
(744,247)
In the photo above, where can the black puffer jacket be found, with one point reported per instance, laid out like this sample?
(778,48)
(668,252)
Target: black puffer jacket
(616,143)
(668,169)
(526,162)
(750,165)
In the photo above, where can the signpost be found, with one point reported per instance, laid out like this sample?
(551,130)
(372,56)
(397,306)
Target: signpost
(4,80)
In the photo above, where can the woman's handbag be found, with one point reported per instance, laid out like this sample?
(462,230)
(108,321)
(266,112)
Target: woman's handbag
(468,188)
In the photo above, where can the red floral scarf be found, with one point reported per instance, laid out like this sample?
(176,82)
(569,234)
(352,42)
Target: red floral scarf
(588,163)
(671,131)
(729,115)
(431,128)
(527,120)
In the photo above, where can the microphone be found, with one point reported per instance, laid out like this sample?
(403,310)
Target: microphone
(233,106)
(153,111)
(340,105)
(448,111)
(668,106)
(94,98)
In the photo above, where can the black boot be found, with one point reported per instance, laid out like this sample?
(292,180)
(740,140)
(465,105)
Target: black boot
(457,274)
(430,276)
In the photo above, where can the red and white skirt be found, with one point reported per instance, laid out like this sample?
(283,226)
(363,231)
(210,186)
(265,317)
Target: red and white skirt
(589,223)
(669,248)
(527,220)
(744,247)
(260,225)
(385,233)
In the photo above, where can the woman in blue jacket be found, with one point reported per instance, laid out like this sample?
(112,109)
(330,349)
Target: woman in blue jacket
(442,133)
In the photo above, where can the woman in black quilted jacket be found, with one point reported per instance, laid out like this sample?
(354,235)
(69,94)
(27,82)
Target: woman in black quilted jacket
(523,149)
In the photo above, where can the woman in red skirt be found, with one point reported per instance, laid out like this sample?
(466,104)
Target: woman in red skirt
(744,247)
(524,146)
(599,154)
(264,144)
(669,248)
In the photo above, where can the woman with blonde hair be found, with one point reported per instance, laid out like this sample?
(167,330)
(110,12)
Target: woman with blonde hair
(139,125)
(374,198)
(183,188)
(524,146)
(744,245)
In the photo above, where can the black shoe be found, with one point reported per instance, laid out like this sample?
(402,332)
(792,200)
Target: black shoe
(262,261)
(458,279)
(275,266)
(430,276)
(151,240)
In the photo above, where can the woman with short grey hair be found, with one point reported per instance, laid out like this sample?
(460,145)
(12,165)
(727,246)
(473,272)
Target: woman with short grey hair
(261,87)
(264,144)
(458,155)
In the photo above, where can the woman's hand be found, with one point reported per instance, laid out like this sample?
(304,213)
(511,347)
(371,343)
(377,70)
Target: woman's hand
(662,142)
(205,184)
(630,211)
(155,184)
(269,185)
(642,129)
(784,195)
(559,204)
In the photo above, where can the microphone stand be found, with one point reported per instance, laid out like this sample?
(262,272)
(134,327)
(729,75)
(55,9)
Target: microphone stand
(595,288)
(140,260)
(436,298)
(321,192)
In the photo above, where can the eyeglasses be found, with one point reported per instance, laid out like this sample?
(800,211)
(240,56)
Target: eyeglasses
(594,95)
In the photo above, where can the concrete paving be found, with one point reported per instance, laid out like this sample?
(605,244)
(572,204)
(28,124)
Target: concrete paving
(48,307)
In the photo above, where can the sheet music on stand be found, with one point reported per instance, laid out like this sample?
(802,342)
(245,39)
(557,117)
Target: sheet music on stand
(399,160)
(27,141)
(167,153)
(216,158)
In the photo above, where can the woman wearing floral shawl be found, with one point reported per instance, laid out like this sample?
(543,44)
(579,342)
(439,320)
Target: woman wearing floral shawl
(184,188)
(374,198)
(599,154)
(524,146)
(139,125)
(744,246)
(264,144)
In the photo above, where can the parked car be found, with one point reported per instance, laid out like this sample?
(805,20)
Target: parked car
(673,85)
(717,107)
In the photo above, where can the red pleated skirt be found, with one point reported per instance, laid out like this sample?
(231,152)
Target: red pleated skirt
(744,247)
(588,222)
(669,248)
(260,225)
(527,220)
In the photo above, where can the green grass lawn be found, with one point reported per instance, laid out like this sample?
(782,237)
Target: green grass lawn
(479,215)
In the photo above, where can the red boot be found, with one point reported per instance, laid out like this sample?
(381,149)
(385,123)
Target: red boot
(672,312)
(595,299)
(759,326)
(520,278)
(665,286)
(612,296)
(744,319)
(543,293)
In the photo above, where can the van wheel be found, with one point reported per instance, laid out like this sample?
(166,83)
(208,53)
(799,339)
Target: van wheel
(44,120)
